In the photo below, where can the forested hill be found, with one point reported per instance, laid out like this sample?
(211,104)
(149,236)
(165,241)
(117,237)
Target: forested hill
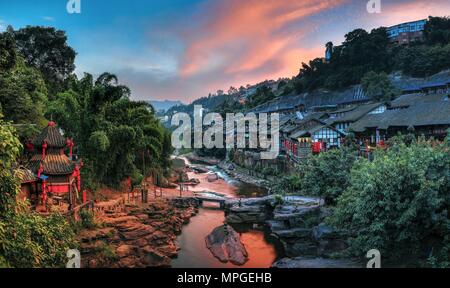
(113,135)
(363,58)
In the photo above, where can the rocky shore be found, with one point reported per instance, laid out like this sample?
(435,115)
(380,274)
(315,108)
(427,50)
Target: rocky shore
(136,236)
(241,174)
(298,223)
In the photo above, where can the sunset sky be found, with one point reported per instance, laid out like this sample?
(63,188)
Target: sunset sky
(185,49)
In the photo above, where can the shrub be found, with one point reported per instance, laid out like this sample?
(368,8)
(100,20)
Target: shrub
(28,240)
(87,219)
(397,201)
(327,174)
(287,184)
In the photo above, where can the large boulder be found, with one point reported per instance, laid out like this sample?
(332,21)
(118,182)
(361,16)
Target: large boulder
(225,244)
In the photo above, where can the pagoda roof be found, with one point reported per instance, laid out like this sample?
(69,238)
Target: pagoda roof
(52,164)
(51,135)
(25,175)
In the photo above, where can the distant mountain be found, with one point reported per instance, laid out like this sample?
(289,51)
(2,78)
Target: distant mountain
(165,105)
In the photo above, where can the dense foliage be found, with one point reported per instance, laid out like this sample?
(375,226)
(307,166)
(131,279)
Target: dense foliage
(10,149)
(363,52)
(399,202)
(115,135)
(378,86)
(26,238)
(46,49)
(328,174)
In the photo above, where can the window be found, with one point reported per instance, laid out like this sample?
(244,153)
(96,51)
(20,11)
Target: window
(378,110)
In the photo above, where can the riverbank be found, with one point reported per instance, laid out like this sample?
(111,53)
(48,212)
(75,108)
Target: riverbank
(297,222)
(130,235)
(170,231)
(242,174)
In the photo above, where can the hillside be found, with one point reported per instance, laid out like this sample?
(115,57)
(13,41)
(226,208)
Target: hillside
(164,105)
(337,80)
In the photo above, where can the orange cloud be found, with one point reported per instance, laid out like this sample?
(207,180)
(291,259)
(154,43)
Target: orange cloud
(243,36)
(395,13)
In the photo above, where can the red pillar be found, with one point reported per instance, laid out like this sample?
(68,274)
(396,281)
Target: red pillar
(84,196)
(44,193)
(78,176)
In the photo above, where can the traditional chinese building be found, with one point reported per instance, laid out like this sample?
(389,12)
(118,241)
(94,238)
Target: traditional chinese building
(57,173)
(427,115)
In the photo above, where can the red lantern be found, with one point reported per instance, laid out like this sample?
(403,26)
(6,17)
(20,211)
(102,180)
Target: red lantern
(44,149)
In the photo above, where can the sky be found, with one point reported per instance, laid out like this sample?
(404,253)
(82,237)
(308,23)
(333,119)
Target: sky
(186,49)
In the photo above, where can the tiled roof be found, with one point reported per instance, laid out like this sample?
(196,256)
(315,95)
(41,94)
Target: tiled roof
(356,113)
(26,175)
(421,110)
(53,164)
(352,95)
(52,136)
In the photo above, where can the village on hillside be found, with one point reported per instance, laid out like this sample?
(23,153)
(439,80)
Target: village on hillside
(364,162)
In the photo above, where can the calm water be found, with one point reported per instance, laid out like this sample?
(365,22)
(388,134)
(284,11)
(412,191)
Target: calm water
(262,249)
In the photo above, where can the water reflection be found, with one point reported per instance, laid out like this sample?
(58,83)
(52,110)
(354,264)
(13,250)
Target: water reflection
(194,254)
(263,250)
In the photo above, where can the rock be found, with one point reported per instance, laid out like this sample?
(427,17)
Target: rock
(135,231)
(113,221)
(294,233)
(154,258)
(251,210)
(300,262)
(212,177)
(199,169)
(323,231)
(276,225)
(327,247)
(125,250)
(91,235)
(299,247)
(129,262)
(225,244)
(287,212)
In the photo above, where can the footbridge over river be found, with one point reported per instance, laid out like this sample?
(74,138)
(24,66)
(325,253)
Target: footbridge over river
(213,197)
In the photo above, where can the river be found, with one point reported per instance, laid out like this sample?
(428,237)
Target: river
(262,248)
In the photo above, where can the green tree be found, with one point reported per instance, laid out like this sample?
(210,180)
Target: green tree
(398,201)
(115,136)
(378,86)
(7,52)
(328,174)
(24,94)
(437,30)
(10,149)
(26,238)
(46,49)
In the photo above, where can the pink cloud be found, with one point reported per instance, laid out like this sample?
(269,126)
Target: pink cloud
(236,42)
(244,36)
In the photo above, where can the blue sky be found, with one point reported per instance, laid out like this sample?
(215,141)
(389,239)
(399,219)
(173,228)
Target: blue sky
(185,49)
